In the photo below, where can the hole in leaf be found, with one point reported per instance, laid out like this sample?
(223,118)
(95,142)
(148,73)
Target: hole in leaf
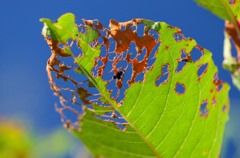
(122,64)
(142,54)
(123,28)
(178,36)
(180,88)
(103,51)
(108,73)
(196,54)
(121,127)
(183,54)
(180,66)
(232,2)
(70,116)
(140,77)
(134,28)
(214,101)
(224,108)
(132,50)
(152,58)
(112,87)
(140,30)
(220,86)
(203,109)
(60,45)
(100,40)
(202,70)
(112,117)
(112,45)
(163,78)
(154,34)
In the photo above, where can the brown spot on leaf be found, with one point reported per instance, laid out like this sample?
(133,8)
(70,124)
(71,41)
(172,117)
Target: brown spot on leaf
(83,94)
(214,101)
(118,37)
(232,32)
(203,109)
(224,108)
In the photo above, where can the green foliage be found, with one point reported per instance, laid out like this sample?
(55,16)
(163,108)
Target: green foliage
(222,8)
(55,144)
(182,116)
(14,141)
(229,11)
(17,142)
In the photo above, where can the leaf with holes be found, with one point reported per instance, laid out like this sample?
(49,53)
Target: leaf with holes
(136,89)
(229,11)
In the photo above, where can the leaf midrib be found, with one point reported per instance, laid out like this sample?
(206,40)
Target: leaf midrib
(115,106)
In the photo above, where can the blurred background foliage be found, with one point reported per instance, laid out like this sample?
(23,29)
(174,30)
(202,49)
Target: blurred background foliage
(19,141)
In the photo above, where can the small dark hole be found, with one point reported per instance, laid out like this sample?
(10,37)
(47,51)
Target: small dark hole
(118,75)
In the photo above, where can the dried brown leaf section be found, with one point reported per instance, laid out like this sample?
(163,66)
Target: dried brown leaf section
(124,59)
(232,32)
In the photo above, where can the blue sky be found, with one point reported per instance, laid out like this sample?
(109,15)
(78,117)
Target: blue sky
(24,89)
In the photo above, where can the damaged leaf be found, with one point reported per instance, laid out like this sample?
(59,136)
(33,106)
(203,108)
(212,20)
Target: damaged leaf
(229,11)
(232,63)
(123,93)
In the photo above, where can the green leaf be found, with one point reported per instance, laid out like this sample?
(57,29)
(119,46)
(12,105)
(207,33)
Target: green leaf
(64,29)
(90,36)
(14,140)
(141,93)
(221,8)
(224,10)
